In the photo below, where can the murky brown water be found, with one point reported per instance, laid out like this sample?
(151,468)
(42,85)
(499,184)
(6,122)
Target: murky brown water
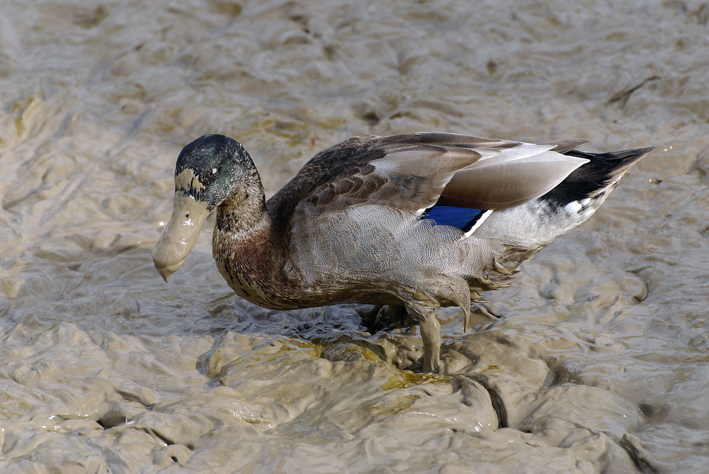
(600,359)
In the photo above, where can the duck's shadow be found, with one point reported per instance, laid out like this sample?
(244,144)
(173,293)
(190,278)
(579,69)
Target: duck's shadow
(389,332)
(231,313)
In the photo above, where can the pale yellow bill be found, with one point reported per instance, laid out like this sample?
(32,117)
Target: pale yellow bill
(180,234)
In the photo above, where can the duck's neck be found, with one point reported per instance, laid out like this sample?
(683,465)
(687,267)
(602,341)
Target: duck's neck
(244,210)
(249,253)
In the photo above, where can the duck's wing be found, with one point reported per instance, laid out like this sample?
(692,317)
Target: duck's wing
(413,172)
(513,177)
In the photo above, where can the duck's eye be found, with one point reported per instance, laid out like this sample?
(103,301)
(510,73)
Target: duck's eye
(214,171)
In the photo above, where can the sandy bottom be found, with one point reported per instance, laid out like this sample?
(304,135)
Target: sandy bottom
(595,360)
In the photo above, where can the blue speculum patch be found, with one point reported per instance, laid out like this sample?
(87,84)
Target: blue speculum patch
(460,217)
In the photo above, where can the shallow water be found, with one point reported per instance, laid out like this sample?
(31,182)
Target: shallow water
(599,361)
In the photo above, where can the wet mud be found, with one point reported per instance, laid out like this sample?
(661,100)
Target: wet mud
(595,360)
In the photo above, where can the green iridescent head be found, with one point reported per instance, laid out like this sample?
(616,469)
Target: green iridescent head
(210,168)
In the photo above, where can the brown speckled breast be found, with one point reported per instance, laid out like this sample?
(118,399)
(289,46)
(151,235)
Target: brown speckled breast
(254,268)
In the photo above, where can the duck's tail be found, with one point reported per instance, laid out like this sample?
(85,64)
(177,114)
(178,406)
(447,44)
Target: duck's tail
(526,229)
(515,234)
(584,190)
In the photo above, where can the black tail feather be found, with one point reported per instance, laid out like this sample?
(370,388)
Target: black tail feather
(602,170)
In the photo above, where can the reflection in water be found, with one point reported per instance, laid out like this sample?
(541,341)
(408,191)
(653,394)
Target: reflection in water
(598,361)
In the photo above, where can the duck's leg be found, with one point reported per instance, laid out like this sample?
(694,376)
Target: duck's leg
(431,335)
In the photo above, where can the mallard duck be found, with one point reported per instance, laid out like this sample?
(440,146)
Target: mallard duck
(419,220)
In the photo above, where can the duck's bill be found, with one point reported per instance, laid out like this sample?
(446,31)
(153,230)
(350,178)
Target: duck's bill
(180,234)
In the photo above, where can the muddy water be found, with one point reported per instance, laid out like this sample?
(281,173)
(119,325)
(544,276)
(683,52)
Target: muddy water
(598,360)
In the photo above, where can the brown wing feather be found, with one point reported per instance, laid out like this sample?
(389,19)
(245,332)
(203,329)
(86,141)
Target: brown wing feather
(508,184)
(412,171)
(562,146)
(406,171)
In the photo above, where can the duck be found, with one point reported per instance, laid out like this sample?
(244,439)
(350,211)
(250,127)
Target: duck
(415,221)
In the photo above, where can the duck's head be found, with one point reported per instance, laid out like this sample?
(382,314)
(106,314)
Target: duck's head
(208,171)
